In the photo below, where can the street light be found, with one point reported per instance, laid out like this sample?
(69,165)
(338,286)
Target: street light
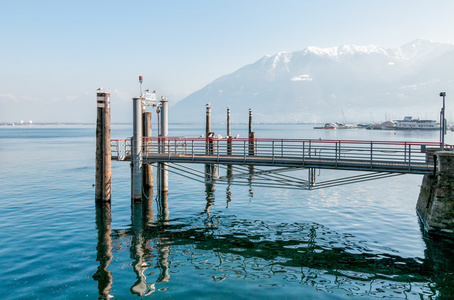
(443,123)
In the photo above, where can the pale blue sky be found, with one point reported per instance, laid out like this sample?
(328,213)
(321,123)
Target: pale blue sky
(55,54)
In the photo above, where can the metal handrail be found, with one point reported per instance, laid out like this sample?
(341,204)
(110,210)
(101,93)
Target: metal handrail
(402,152)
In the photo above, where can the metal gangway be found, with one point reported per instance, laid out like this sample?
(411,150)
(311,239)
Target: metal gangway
(376,156)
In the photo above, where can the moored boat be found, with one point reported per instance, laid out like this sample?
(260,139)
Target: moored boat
(408,123)
(328,125)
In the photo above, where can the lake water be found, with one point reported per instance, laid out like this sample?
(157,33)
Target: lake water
(208,242)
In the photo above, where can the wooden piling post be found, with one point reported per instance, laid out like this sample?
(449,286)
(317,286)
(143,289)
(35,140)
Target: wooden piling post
(103,151)
(229,134)
(210,169)
(229,152)
(251,135)
(147,172)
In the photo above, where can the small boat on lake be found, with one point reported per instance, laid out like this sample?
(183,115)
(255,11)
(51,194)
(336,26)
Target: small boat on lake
(328,125)
(337,125)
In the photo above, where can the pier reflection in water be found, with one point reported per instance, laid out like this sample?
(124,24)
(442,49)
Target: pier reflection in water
(104,249)
(263,253)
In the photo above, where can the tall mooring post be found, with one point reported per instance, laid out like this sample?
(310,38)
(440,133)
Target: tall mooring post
(229,134)
(147,169)
(251,135)
(103,151)
(435,205)
(210,169)
(208,120)
(162,167)
(136,150)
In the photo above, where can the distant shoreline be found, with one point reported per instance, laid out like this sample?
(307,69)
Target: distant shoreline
(9,124)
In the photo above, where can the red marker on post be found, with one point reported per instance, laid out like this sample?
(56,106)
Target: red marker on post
(140,81)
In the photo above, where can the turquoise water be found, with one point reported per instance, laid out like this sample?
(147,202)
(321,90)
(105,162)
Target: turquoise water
(207,242)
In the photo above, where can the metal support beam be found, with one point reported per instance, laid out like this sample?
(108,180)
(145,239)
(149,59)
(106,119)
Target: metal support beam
(162,167)
(136,151)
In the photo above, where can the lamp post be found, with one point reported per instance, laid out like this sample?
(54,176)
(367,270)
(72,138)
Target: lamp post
(443,123)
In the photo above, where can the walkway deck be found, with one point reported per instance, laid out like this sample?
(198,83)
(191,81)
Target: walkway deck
(374,156)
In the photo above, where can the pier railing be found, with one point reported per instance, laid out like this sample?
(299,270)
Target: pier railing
(401,156)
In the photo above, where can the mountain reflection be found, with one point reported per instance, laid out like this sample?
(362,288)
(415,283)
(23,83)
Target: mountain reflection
(227,247)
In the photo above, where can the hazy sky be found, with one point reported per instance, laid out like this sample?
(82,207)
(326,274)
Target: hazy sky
(55,54)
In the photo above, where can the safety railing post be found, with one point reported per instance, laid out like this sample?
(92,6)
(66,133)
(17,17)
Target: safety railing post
(339,150)
(405,152)
(409,157)
(272,151)
(244,151)
(192,149)
(304,150)
(217,148)
(371,157)
(282,148)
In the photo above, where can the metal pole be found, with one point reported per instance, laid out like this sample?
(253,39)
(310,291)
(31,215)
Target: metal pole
(164,117)
(103,150)
(163,173)
(443,123)
(136,152)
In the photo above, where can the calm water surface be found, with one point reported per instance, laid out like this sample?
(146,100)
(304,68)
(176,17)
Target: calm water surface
(207,242)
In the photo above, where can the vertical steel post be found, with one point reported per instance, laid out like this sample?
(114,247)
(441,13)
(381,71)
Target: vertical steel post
(371,152)
(136,151)
(443,122)
(163,173)
(103,150)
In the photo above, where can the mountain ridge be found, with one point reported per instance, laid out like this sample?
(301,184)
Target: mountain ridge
(316,84)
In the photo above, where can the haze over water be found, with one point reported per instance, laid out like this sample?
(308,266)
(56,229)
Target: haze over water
(220,242)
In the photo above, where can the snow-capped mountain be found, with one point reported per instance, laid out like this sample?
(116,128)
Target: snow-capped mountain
(320,84)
